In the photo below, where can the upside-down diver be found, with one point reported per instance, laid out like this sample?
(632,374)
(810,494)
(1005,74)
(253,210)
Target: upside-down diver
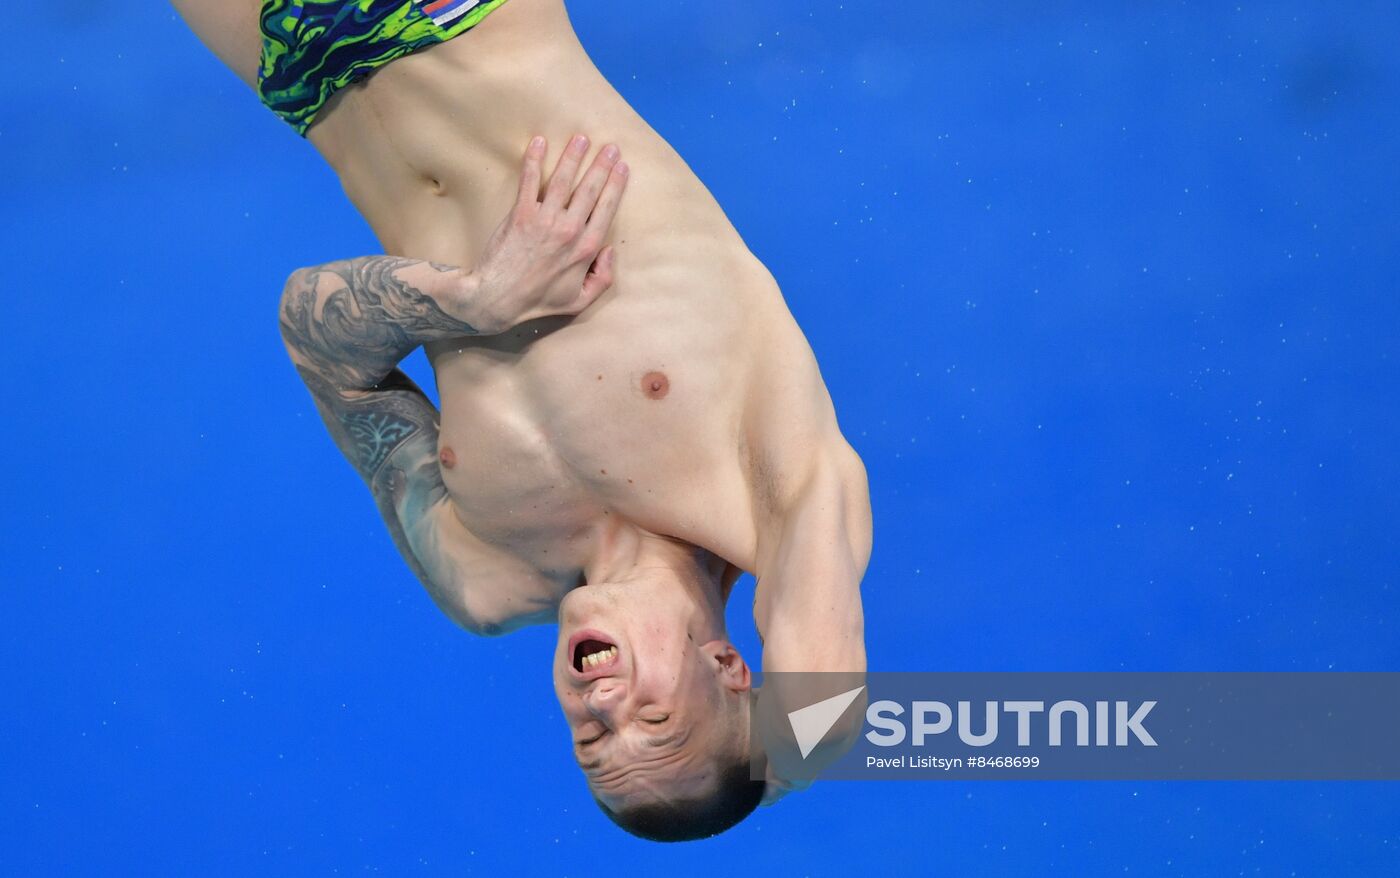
(630,416)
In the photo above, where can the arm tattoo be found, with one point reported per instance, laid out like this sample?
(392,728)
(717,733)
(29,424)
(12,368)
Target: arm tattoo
(353,321)
(347,325)
(375,435)
(369,427)
(390,436)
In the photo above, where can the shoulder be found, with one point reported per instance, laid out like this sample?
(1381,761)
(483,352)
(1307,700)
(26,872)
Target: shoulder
(792,448)
(823,491)
(229,28)
(811,560)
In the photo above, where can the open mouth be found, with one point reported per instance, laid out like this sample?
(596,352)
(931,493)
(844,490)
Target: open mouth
(591,654)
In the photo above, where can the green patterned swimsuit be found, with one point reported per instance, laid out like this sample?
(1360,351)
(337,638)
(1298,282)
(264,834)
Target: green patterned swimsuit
(313,48)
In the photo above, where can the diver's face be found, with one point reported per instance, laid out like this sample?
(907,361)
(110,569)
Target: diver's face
(647,706)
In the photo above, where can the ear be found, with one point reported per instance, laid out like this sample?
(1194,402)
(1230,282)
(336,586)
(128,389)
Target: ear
(732,669)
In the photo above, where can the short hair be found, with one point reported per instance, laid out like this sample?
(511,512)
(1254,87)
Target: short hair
(735,797)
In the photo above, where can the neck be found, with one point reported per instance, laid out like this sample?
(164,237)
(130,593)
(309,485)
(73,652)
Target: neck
(629,554)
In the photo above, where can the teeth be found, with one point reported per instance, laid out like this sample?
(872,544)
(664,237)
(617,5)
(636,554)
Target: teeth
(593,660)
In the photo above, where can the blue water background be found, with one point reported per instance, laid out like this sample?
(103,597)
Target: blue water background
(1106,295)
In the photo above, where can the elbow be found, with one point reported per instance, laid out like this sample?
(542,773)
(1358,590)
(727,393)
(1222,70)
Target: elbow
(295,305)
(481,625)
(473,613)
(481,628)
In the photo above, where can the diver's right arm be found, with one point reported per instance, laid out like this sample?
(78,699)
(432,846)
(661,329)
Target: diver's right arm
(347,324)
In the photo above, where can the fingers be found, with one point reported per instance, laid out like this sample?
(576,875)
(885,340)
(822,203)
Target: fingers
(586,195)
(531,171)
(561,182)
(600,275)
(608,199)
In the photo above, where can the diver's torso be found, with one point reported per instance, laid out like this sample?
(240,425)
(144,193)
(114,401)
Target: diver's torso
(561,425)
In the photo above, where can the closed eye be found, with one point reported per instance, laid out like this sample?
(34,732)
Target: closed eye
(586,755)
(584,742)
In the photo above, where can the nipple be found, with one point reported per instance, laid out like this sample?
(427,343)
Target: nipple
(655,385)
(448,457)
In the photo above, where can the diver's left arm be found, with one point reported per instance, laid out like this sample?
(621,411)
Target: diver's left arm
(807,605)
(807,608)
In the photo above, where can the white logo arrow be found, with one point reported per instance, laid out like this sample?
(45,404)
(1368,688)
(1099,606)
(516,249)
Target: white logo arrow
(811,723)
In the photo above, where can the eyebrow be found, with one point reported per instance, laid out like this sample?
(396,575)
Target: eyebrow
(671,738)
(679,736)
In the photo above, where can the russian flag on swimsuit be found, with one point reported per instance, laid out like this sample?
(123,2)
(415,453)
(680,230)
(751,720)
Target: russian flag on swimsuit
(444,11)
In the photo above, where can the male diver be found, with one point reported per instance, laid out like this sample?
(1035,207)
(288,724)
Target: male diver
(611,451)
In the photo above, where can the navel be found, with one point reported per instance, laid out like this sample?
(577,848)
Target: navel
(448,457)
(656,385)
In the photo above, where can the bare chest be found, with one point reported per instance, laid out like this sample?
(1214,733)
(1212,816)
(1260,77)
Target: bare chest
(553,429)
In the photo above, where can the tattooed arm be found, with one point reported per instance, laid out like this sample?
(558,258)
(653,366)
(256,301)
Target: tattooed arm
(353,321)
(348,324)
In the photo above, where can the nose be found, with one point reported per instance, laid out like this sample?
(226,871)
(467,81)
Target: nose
(604,699)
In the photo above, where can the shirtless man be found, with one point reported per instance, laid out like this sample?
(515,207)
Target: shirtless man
(609,454)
